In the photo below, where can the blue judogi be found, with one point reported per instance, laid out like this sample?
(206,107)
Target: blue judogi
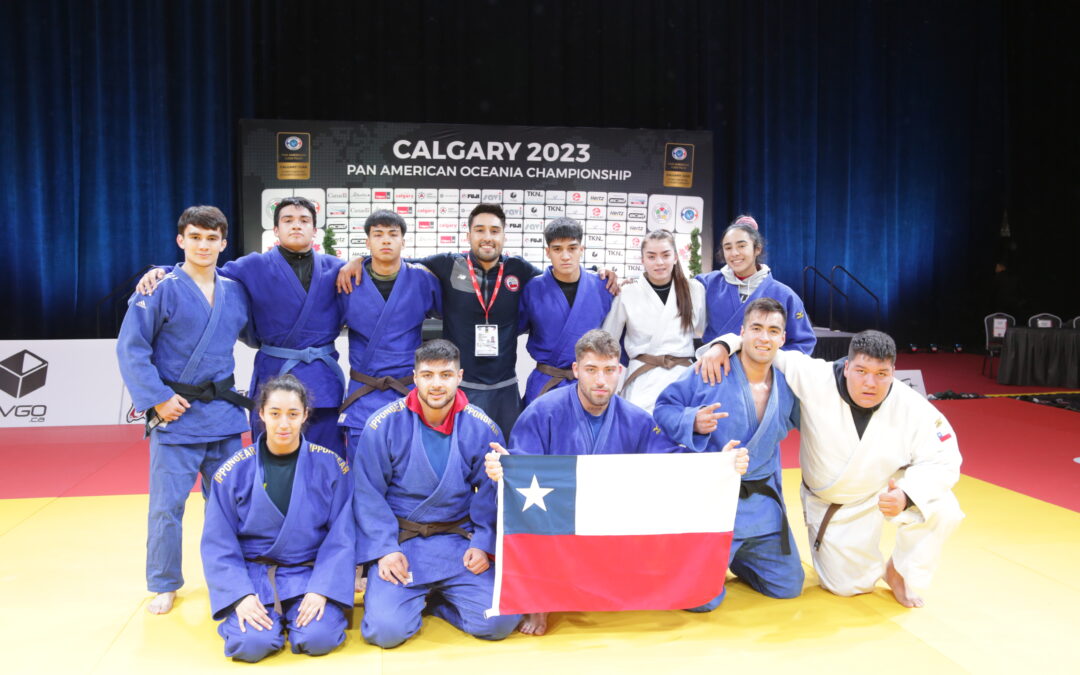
(724,310)
(395,479)
(176,335)
(296,331)
(557,424)
(555,327)
(313,546)
(763,552)
(383,337)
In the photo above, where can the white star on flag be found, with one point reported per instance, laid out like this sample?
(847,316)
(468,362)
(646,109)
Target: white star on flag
(534,494)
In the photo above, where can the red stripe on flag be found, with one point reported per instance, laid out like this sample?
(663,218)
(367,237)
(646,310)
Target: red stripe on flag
(576,573)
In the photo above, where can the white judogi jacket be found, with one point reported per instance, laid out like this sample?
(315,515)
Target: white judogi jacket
(653,328)
(906,431)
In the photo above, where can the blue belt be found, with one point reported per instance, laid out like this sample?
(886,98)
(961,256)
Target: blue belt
(294,357)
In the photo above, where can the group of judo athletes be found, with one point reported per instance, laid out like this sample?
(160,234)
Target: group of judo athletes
(185,322)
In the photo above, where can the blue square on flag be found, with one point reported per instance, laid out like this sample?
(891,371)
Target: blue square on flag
(539,494)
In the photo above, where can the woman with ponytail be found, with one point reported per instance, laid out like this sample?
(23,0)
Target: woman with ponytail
(661,317)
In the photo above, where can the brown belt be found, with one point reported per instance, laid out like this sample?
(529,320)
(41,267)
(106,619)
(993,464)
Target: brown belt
(271,573)
(667,362)
(408,529)
(557,375)
(829,513)
(400,385)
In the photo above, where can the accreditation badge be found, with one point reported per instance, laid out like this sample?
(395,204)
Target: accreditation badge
(487,339)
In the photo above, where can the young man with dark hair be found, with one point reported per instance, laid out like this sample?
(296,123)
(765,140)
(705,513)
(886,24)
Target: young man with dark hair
(758,409)
(871,449)
(385,316)
(424,511)
(558,308)
(296,316)
(175,351)
(481,291)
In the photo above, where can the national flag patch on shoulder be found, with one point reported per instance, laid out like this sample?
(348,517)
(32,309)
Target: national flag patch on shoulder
(943,436)
(568,527)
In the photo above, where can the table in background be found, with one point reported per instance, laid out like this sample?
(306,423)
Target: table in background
(1044,357)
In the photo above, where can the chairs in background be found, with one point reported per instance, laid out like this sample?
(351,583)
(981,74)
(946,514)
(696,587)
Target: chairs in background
(995,326)
(1075,323)
(1045,320)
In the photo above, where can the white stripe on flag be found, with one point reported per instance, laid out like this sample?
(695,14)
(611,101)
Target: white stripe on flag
(656,494)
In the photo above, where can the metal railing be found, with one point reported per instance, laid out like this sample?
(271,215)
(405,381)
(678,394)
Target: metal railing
(876,299)
(810,299)
(813,295)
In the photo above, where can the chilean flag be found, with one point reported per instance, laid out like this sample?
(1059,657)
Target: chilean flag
(613,532)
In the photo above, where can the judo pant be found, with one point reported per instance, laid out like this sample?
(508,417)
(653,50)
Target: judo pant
(315,639)
(849,560)
(321,429)
(173,468)
(392,613)
(502,405)
(763,565)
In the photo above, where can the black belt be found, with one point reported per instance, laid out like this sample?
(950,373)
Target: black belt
(761,487)
(271,573)
(409,529)
(212,391)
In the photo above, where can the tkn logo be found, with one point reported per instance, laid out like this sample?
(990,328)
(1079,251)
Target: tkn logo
(21,374)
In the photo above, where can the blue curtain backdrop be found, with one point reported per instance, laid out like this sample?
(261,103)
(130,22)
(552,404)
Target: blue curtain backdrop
(887,137)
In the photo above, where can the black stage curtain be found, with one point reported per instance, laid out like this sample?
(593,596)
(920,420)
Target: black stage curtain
(881,136)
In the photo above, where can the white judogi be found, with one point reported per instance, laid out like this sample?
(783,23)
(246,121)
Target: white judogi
(653,328)
(906,438)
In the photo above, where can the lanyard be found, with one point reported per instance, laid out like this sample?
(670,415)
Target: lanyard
(476,287)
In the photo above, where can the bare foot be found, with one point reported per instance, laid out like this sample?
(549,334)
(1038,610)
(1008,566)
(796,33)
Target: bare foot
(361,580)
(900,590)
(162,603)
(534,624)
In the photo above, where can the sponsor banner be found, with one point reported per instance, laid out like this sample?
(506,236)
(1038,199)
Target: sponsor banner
(62,383)
(615,181)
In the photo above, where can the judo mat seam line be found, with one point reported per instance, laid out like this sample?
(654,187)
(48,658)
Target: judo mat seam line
(1032,393)
(46,502)
(1067,582)
(116,637)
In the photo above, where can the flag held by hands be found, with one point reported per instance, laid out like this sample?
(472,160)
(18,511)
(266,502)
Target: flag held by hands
(613,532)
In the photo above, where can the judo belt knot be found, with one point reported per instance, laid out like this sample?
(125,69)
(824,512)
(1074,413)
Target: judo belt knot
(409,529)
(212,391)
(557,375)
(667,362)
(760,486)
(400,385)
(271,574)
(309,354)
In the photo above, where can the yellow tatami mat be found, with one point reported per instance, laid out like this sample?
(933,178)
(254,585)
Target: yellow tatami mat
(1006,599)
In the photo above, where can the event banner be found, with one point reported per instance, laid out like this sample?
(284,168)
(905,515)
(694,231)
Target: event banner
(619,183)
(60,383)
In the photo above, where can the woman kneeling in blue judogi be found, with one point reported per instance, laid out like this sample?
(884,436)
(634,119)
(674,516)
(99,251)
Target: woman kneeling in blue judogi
(278,546)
